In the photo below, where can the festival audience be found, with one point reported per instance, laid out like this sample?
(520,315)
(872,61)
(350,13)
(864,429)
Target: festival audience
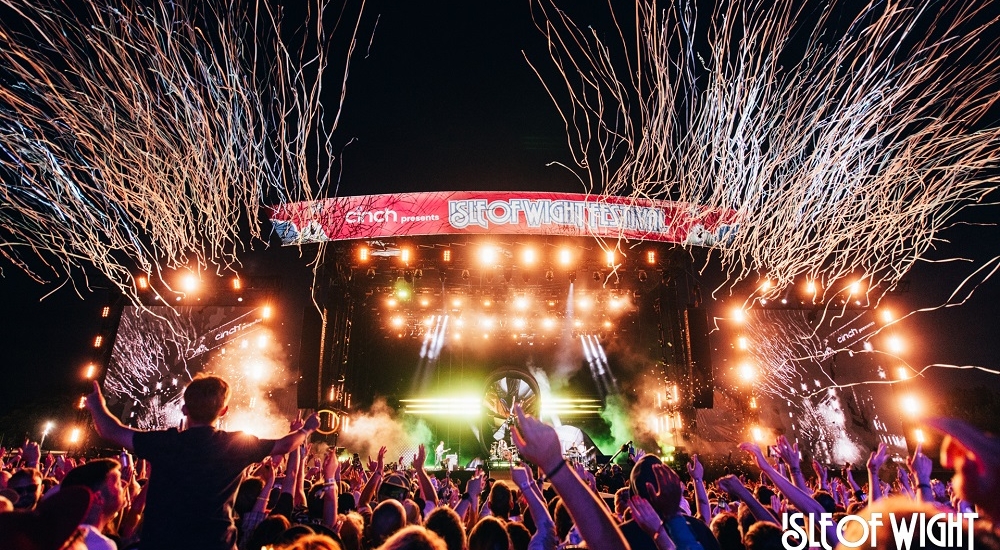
(205,488)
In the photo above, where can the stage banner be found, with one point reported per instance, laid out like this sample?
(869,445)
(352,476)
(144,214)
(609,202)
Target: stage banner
(502,213)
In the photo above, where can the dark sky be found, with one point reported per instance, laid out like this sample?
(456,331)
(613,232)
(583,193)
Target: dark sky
(443,99)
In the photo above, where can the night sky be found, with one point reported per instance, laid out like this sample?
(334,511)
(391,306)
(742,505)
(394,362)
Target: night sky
(443,99)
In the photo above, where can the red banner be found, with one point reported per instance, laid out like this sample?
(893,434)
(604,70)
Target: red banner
(501,213)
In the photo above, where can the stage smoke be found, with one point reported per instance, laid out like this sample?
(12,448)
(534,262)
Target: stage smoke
(379,426)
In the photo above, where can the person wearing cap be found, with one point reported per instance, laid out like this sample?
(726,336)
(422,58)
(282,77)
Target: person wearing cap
(194,473)
(104,478)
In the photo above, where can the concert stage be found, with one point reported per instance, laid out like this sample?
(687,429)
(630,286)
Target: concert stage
(438,312)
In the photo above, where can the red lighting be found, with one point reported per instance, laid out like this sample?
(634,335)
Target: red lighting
(363,254)
(651,257)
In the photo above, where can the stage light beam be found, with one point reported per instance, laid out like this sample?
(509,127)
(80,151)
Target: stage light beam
(911,405)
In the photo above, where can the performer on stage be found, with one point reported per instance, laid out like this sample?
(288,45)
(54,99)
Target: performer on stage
(439,455)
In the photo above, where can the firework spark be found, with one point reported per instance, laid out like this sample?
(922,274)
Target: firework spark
(846,137)
(136,136)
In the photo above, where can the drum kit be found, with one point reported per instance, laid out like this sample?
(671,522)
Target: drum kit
(501,451)
(579,454)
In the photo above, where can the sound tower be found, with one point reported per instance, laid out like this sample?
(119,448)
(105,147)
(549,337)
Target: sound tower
(700,365)
(310,356)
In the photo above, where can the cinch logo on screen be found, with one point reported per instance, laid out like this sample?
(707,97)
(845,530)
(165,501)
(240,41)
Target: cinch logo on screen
(371,216)
(944,530)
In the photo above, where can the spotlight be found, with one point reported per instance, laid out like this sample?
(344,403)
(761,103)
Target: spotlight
(765,286)
(363,254)
(918,434)
(642,276)
(82,403)
(405,255)
(742,342)
(548,323)
(650,257)
(456,302)
(189,282)
(895,344)
(739,315)
(74,436)
(911,405)
(397,322)
(392,302)
(811,287)
(609,258)
(237,284)
(266,312)
(142,282)
(565,256)
(903,373)
(519,323)
(747,372)
(91,371)
(854,288)
(446,255)
(521,302)
(105,312)
(529,256)
(758,434)
(488,255)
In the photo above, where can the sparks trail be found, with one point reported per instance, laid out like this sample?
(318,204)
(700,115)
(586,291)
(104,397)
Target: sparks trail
(844,144)
(146,136)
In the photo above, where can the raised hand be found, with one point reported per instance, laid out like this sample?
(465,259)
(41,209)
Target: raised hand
(586,476)
(877,458)
(645,515)
(732,486)
(758,455)
(537,441)
(788,452)
(920,465)
(331,466)
(821,472)
(95,401)
(666,496)
(519,475)
(311,423)
(31,454)
(695,469)
(296,424)
(418,459)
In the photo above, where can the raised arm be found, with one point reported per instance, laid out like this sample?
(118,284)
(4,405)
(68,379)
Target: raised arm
(736,490)
(331,488)
(697,473)
(920,465)
(545,528)
(790,454)
(107,425)
(540,444)
(375,478)
(426,487)
(298,436)
(875,462)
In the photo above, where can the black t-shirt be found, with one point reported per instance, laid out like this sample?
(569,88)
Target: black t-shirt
(192,485)
(638,539)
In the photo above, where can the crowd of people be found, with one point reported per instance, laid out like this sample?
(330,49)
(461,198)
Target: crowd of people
(203,488)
